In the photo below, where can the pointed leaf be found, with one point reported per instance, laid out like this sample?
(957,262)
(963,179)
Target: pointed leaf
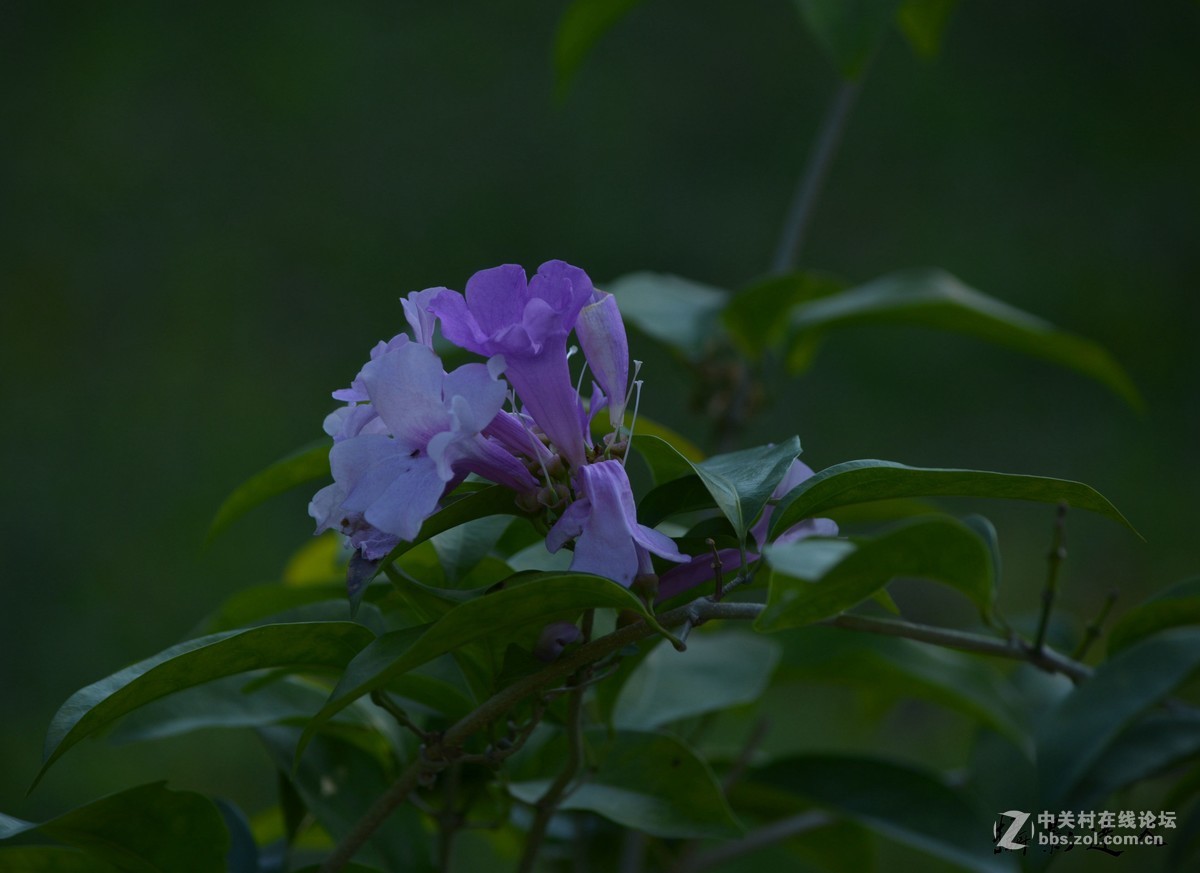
(864,481)
(148,829)
(1077,732)
(583,23)
(1175,607)
(293,646)
(741,482)
(685,494)
(304,465)
(757,317)
(542,597)
(652,783)
(849,31)
(805,587)
(935,299)
(718,670)
(923,23)
(1147,748)
(911,806)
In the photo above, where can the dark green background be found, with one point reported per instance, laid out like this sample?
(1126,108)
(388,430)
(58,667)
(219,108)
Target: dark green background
(212,211)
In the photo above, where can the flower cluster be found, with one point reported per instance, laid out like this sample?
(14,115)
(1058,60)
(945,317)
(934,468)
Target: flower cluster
(411,432)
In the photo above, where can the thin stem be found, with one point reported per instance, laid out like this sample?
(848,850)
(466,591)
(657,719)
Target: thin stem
(1096,628)
(791,241)
(450,745)
(767,835)
(548,803)
(1058,554)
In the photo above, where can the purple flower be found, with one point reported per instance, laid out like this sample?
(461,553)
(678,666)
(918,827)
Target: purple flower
(527,323)
(418,316)
(602,335)
(388,483)
(603,521)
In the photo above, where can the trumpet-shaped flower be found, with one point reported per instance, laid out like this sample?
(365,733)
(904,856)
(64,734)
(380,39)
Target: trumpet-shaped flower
(526,322)
(602,335)
(391,482)
(603,522)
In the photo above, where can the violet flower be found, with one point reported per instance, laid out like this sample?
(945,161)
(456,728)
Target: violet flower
(609,541)
(527,323)
(601,332)
(391,482)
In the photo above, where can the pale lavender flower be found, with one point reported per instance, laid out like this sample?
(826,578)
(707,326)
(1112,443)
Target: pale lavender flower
(609,541)
(391,482)
(528,323)
(418,315)
(601,332)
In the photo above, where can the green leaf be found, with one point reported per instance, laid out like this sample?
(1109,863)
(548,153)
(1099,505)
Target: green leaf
(935,299)
(542,597)
(863,481)
(757,317)
(905,804)
(718,670)
(923,23)
(583,23)
(687,494)
(303,465)
(461,548)
(293,646)
(1077,732)
(1175,607)
(339,783)
(148,829)
(741,482)
(679,313)
(901,669)
(666,462)
(652,783)
(848,30)
(809,581)
(1147,748)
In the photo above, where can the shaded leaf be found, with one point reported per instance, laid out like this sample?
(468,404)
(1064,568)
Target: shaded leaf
(805,585)
(148,829)
(682,314)
(666,463)
(686,494)
(651,782)
(864,481)
(757,317)
(1078,731)
(923,23)
(718,670)
(293,646)
(582,24)
(935,299)
(304,465)
(50,859)
(1147,748)
(848,30)
(1175,607)
(542,597)
(911,806)
(741,482)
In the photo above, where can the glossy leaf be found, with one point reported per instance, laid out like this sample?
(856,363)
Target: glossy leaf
(758,316)
(923,23)
(650,782)
(849,31)
(905,804)
(718,670)
(666,463)
(685,494)
(582,24)
(292,646)
(1076,734)
(810,580)
(541,598)
(1145,749)
(742,482)
(304,465)
(682,314)
(935,299)
(865,481)
(142,830)
(900,669)
(1175,607)
(339,782)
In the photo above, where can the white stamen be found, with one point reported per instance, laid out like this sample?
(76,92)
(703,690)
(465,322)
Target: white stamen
(637,368)
(637,388)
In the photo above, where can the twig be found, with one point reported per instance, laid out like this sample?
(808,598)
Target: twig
(767,835)
(791,241)
(548,803)
(1096,628)
(381,699)
(1058,554)
(449,746)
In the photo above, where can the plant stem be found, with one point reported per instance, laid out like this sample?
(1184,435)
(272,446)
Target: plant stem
(436,754)
(791,241)
(764,836)
(1058,554)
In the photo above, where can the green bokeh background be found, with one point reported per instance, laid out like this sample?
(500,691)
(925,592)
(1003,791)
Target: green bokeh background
(211,212)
